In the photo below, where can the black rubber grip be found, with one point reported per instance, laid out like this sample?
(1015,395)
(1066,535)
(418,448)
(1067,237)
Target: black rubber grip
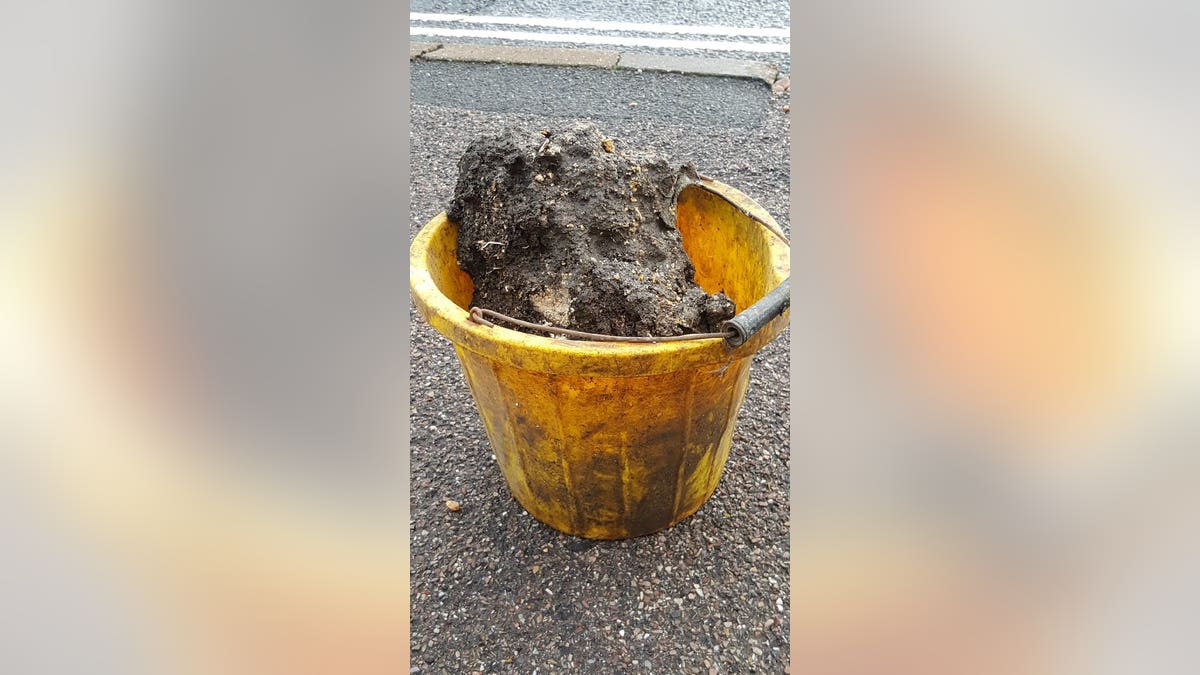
(750,320)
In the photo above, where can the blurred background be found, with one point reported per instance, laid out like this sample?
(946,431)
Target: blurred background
(994,461)
(202,338)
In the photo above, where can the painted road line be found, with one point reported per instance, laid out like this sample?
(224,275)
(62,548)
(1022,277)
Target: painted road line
(580,38)
(583,24)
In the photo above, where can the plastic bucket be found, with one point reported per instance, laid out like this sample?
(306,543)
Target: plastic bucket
(608,440)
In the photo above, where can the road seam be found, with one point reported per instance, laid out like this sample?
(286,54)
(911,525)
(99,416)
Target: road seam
(537,56)
(767,73)
(690,65)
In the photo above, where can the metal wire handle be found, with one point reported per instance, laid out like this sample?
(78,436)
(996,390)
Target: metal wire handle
(735,332)
(478,314)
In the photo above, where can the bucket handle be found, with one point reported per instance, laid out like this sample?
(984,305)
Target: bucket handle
(481,316)
(735,332)
(749,321)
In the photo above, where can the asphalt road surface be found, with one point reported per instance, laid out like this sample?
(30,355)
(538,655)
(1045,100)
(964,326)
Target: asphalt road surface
(494,590)
(755,30)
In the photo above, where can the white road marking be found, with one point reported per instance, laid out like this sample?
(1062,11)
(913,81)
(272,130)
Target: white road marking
(580,38)
(582,24)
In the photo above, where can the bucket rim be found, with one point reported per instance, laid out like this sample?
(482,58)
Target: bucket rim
(585,357)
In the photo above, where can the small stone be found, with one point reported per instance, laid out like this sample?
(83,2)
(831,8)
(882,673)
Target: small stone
(608,145)
(539,178)
(787,108)
(453,505)
(633,104)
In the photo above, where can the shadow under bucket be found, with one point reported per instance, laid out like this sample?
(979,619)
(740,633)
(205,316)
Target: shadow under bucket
(610,440)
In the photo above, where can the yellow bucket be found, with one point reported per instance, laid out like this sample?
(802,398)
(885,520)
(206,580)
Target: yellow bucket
(608,440)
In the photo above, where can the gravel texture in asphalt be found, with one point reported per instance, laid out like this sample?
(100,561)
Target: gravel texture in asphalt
(494,590)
